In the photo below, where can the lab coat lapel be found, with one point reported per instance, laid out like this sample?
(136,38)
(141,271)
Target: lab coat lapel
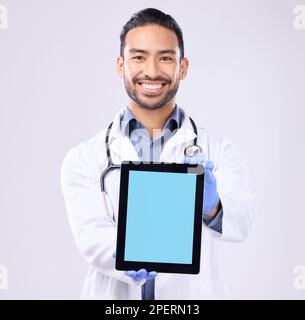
(121,147)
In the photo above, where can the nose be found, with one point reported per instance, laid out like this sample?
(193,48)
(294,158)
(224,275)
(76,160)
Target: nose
(151,68)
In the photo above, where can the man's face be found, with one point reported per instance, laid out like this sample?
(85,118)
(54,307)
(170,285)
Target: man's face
(151,67)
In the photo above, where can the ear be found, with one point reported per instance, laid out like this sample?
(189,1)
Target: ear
(183,68)
(120,66)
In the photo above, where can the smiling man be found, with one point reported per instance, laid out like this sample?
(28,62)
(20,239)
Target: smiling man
(152,64)
(152,127)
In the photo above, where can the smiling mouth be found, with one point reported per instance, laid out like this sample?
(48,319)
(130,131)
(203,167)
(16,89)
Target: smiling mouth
(152,86)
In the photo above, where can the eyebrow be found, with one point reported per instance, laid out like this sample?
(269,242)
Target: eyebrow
(168,51)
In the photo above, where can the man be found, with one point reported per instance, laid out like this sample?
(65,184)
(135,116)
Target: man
(153,128)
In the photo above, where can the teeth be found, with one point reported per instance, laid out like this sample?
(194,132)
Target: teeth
(151,86)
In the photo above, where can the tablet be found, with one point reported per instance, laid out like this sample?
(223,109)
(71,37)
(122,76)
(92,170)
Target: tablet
(160,217)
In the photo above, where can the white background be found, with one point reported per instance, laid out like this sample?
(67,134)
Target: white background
(58,87)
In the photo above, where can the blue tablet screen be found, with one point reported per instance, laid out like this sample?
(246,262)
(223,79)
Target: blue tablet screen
(160,217)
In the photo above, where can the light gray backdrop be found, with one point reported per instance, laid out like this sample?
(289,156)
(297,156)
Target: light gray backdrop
(58,87)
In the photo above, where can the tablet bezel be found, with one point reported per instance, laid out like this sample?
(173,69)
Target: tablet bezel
(194,267)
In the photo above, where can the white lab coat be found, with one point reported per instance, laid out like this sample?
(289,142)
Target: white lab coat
(95,235)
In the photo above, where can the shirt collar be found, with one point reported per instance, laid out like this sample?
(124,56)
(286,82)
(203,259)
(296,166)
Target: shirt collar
(129,120)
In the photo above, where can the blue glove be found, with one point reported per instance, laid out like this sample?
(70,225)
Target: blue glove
(210,194)
(141,274)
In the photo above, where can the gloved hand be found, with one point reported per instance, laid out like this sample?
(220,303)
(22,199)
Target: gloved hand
(210,194)
(140,274)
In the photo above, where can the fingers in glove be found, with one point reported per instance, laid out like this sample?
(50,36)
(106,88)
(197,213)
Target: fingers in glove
(131,273)
(141,274)
(209,178)
(151,275)
(209,165)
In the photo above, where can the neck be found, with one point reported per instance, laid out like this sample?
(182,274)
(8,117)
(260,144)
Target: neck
(152,119)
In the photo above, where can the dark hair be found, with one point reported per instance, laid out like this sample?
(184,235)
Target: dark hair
(150,16)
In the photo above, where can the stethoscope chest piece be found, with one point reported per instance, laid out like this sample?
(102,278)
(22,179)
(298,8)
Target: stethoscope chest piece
(192,150)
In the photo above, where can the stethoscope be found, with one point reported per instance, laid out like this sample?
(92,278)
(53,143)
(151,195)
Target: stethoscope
(190,151)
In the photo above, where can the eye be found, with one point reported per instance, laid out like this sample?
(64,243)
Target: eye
(138,58)
(166,59)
